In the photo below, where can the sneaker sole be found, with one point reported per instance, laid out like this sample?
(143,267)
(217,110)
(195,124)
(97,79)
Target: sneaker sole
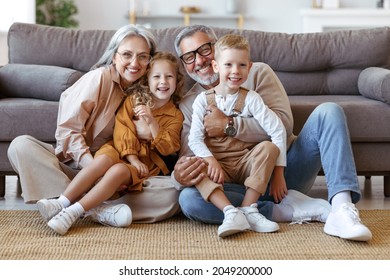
(229,232)
(265,230)
(334,232)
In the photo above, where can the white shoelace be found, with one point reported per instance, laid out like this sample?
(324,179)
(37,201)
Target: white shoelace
(301,220)
(353,212)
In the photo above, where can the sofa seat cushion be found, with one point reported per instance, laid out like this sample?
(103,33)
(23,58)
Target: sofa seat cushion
(368,119)
(36,81)
(21,116)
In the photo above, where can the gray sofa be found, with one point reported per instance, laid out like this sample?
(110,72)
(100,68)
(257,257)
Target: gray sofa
(346,67)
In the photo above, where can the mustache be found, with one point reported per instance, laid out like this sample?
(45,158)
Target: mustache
(199,67)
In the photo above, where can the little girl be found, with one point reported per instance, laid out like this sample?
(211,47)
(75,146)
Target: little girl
(147,128)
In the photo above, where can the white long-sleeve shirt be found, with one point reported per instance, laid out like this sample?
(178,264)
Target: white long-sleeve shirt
(253,107)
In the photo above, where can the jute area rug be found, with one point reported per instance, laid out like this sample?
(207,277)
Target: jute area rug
(25,236)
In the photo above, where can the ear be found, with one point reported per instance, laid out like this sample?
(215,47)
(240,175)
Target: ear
(250,65)
(215,66)
(114,58)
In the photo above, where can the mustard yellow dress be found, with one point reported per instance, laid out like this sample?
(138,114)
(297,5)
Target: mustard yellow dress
(125,141)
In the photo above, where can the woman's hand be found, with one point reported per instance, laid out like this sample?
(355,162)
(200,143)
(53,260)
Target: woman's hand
(188,170)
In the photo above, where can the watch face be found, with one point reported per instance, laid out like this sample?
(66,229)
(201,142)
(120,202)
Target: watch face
(230,131)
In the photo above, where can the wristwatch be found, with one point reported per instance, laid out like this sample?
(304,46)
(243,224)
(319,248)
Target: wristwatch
(230,130)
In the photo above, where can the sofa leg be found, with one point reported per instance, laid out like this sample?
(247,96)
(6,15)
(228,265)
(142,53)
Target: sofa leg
(2,186)
(386,186)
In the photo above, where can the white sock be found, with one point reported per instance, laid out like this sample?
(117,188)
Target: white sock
(227,207)
(64,201)
(340,198)
(282,213)
(77,209)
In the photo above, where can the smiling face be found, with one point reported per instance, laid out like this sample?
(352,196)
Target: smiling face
(132,69)
(162,81)
(233,66)
(200,70)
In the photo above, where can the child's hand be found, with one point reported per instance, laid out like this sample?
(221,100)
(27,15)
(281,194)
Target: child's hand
(144,112)
(142,129)
(214,170)
(142,169)
(278,187)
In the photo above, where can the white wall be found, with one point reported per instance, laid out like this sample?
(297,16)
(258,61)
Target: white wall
(266,15)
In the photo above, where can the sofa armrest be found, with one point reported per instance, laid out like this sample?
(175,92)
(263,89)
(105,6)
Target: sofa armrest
(36,81)
(374,83)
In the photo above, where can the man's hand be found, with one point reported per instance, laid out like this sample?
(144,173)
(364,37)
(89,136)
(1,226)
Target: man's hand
(215,122)
(188,170)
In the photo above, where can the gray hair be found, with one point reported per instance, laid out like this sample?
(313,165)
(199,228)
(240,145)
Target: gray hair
(191,30)
(121,34)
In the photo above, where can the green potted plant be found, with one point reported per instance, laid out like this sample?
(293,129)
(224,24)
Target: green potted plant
(56,13)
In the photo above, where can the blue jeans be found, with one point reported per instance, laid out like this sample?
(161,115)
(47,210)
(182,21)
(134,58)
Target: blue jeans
(323,142)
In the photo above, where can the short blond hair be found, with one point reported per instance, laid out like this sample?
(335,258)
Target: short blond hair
(231,41)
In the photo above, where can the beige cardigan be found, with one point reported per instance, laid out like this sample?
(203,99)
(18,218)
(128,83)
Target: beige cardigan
(85,109)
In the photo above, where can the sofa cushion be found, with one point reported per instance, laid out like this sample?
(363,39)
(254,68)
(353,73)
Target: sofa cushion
(374,83)
(36,81)
(28,116)
(360,111)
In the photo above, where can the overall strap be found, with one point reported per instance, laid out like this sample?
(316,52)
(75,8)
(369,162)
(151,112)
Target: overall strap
(210,96)
(240,102)
(238,106)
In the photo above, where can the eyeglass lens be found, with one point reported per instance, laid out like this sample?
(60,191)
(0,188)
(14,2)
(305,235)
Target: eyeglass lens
(129,57)
(203,50)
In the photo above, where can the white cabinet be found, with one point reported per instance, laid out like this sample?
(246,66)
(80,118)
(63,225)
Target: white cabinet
(318,20)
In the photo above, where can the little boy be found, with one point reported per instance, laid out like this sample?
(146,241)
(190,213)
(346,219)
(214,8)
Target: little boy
(228,158)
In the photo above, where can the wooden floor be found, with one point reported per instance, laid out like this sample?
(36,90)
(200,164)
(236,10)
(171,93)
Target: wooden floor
(372,194)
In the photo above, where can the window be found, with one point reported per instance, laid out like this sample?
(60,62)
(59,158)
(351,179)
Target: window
(16,10)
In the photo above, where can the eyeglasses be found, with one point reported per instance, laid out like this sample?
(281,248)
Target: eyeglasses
(128,57)
(203,50)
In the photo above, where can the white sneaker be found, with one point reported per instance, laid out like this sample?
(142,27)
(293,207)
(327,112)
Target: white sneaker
(115,215)
(233,222)
(345,223)
(62,222)
(305,208)
(48,208)
(257,221)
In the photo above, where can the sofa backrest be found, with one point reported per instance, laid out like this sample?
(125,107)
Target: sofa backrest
(307,64)
(57,46)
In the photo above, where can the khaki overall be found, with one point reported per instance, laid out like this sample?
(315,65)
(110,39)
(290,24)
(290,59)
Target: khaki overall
(249,164)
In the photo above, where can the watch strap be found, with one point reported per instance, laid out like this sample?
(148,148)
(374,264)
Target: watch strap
(230,121)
